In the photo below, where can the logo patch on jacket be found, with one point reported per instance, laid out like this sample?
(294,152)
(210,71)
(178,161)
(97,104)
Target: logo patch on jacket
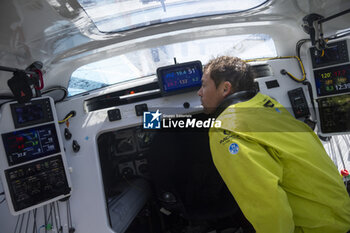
(228,137)
(233,148)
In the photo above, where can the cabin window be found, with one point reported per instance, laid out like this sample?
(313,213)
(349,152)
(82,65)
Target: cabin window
(144,62)
(121,15)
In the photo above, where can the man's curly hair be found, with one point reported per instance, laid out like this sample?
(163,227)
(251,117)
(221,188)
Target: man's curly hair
(231,69)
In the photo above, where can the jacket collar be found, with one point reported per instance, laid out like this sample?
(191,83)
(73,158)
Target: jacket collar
(235,98)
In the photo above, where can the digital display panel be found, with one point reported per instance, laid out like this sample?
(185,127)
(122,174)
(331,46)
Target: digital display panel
(34,112)
(29,113)
(334,80)
(180,77)
(334,114)
(37,182)
(335,53)
(33,143)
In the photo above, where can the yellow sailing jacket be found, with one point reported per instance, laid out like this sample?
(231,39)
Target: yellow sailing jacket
(278,171)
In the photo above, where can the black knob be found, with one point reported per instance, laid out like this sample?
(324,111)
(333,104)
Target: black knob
(75,146)
(67,134)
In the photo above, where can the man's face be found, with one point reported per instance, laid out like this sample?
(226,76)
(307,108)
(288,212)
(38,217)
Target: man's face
(211,96)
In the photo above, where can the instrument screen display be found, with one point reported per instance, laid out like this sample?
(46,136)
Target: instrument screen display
(29,144)
(180,77)
(335,114)
(335,53)
(34,112)
(334,80)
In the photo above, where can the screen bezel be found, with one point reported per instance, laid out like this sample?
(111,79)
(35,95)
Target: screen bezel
(323,119)
(46,111)
(30,158)
(45,196)
(317,79)
(342,51)
(161,70)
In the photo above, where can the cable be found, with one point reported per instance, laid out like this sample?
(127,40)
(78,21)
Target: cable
(59,217)
(301,66)
(339,151)
(54,210)
(34,222)
(40,74)
(17,223)
(27,222)
(68,116)
(42,226)
(334,156)
(65,119)
(45,220)
(309,87)
(346,140)
(50,216)
(11,98)
(333,37)
(20,228)
(299,44)
(3,200)
(69,218)
(65,91)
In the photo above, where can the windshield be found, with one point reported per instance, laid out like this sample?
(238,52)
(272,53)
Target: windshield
(120,15)
(144,62)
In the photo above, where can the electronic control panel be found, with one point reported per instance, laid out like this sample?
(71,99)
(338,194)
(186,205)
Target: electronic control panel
(32,161)
(335,53)
(294,96)
(179,78)
(331,87)
(334,114)
(332,80)
(35,182)
(35,112)
(29,144)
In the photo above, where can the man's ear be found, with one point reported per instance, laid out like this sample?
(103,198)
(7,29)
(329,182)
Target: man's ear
(227,88)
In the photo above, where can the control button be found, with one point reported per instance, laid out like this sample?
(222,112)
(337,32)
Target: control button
(140,109)
(114,115)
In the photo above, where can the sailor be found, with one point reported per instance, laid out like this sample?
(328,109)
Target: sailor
(274,165)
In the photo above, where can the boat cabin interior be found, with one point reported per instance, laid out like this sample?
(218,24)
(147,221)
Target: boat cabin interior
(92,93)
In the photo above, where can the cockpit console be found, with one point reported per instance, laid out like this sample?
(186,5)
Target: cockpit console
(331,74)
(33,166)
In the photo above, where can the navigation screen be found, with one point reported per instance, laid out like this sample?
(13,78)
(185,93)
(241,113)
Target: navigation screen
(25,145)
(34,112)
(335,53)
(334,80)
(29,113)
(180,77)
